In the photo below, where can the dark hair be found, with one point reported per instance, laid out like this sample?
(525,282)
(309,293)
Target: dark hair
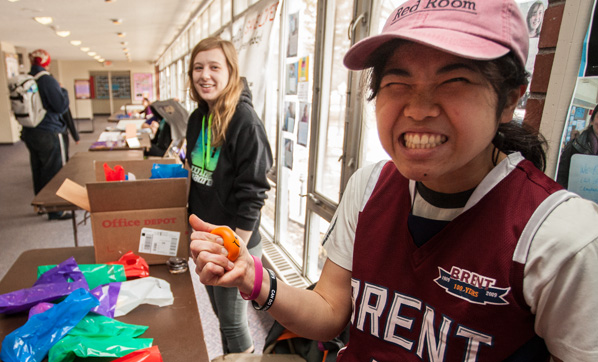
(594,114)
(505,74)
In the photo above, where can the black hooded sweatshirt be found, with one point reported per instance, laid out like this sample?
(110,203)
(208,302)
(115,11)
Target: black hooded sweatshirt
(233,192)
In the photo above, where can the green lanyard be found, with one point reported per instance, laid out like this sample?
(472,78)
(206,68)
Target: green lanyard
(207,145)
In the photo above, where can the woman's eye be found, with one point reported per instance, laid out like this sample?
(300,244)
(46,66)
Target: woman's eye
(393,84)
(457,80)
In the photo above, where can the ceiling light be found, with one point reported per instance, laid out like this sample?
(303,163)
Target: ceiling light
(125,50)
(91,54)
(76,42)
(120,34)
(63,33)
(44,20)
(116,21)
(85,49)
(13,1)
(97,57)
(124,43)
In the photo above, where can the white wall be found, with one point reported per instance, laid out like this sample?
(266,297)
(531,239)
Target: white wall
(9,128)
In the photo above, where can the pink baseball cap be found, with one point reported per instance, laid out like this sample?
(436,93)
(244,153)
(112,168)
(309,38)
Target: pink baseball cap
(473,29)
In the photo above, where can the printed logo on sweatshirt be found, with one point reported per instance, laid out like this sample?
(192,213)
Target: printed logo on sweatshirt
(473,287)
(202,164)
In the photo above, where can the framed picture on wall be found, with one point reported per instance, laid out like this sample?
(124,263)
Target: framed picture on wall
(82,89)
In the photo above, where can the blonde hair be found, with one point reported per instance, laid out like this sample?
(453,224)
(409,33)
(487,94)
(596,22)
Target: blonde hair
(226,104)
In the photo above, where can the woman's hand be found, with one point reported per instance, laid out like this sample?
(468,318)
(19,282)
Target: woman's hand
(212,263)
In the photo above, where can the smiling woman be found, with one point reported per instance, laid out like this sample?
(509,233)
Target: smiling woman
(229,159)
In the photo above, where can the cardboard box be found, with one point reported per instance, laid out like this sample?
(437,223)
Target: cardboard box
(148,217)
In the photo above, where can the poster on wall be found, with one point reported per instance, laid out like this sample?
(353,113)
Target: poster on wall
(143,86)
(251,37)
(293,42)
(303,127)
(289,117)
(288,153)
(12,65)
(82,89)
(533,12)
(292,79)
(580,131)
(304,69)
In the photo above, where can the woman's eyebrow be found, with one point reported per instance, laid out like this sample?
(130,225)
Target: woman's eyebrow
(454,66)
(396,71)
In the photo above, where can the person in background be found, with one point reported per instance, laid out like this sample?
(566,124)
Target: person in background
(229,156)
(460,247)
(151,121)
(147,110)
(45,142)
(535,17)
(586,144)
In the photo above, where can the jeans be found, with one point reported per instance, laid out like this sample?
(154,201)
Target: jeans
(231,311)
(46,154)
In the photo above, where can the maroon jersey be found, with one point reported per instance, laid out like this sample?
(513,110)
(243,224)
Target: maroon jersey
(459,296)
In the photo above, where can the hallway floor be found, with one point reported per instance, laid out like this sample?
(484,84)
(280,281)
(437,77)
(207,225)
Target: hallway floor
(22,229)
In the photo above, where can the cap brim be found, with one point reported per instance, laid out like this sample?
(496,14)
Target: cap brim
(453,42)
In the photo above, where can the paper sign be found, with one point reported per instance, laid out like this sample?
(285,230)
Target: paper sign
(161,242)
(133,142)
(583,176)
(130,131)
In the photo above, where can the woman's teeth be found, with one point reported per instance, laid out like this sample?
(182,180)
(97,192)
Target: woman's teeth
(425,140)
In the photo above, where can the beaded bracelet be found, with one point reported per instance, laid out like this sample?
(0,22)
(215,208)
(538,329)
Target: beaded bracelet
(271,294)
(257,282)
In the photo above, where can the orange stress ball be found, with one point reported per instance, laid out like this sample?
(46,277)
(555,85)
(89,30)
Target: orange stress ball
(231,243)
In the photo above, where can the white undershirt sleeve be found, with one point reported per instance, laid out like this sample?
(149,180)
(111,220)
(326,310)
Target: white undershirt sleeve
(561,280)
(341,234)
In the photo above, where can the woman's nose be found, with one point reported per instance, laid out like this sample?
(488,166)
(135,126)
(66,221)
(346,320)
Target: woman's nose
(421,106)
(204,74)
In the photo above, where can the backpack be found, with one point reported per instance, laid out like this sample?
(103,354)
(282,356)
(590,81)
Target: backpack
(282,341)
(25,100)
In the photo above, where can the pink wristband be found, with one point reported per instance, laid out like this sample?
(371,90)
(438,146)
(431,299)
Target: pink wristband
(257,282)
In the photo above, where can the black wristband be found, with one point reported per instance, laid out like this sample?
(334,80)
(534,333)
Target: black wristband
(271,294)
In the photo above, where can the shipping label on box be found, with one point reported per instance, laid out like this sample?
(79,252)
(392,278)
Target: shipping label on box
(161,242)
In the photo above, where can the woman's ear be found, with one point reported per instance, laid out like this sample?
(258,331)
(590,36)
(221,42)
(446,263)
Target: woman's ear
(512,101)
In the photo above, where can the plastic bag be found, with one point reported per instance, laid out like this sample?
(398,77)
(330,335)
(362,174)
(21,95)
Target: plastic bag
(148,290)
(135,266)
(108,297)
(99,336)
(95,274)
(32,341)
(39,308)
(151,354)
(72,346)
(51,285)
(118,174)
(168,170)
